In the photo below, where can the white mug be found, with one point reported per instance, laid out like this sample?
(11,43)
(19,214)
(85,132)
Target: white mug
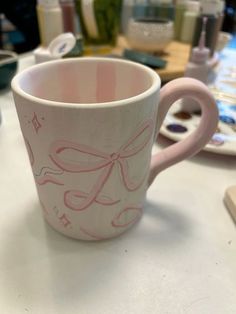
(89,125)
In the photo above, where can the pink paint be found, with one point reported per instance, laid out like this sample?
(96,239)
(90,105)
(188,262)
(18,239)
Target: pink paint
(91,234)
(136,209)
(71,197)
(30,151)
(106,82)
(128,150)
(48,179)
(64,220)
(36,123)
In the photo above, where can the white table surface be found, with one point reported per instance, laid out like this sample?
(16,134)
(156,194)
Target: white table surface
(179,259)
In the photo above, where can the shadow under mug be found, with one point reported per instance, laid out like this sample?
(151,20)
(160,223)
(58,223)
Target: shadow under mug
(89,125)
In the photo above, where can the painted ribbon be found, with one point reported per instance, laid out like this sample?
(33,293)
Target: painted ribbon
(105,161)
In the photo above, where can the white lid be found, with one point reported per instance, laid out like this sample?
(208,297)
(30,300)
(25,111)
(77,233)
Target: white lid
(193,6)
(48,3)
(210,7)
(62,44)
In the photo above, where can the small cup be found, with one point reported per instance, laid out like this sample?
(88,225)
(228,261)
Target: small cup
(150,34)
(89,125)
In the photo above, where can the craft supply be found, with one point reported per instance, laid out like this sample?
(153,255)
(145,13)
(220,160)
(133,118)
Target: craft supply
(126,14)
(144,58)
(99,21)
(189,21)
(197,67)
(165,9)
(50,22)
(230,201)
(180,9)
(210,10)
(220,19)
(176,128)
(69,15)
(59,47)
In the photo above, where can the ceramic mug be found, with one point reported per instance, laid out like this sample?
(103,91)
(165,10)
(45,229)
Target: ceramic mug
(89,125)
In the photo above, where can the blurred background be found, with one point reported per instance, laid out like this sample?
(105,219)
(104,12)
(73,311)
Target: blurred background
(19,30)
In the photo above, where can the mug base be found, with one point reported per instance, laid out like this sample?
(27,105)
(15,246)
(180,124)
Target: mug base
(85,235)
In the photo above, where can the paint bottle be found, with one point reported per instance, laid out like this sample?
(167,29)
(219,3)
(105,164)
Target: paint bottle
(126,14)
(99,21)
(209,10)
(180,9)
(197,67)
(166,9)
(189,21)
(69,15)
(220,19)
(154,8)
(50,22)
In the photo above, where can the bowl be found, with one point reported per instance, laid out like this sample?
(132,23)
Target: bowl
(149,34)
(8,67)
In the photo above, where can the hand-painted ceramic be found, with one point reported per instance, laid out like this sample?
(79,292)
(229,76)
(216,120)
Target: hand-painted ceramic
(178,125)
(8,67)
(89,125)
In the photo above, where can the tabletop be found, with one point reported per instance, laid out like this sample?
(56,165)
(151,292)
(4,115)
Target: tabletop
(179,259)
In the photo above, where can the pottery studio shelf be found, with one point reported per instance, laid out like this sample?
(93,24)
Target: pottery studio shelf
(176,54)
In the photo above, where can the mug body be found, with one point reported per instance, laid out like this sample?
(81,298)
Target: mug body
(89,126)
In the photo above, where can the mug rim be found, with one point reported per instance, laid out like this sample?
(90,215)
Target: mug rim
(155,84)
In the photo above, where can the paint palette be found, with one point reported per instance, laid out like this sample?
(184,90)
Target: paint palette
(179,124)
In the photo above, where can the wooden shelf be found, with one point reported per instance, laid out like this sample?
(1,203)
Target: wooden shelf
(176,54)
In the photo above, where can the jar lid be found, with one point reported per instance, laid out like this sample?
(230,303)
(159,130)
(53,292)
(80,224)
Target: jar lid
(62,44)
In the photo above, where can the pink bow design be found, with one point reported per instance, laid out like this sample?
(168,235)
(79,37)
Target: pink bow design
(134,145)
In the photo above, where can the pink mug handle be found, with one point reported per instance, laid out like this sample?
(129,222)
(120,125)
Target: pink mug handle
(171,92)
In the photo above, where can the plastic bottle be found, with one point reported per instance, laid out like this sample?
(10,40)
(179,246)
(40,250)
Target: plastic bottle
(180,8)
(126,14)
(166,9)
(197,67)
(220,19)
(189,21)
(49,15)
(69,15)
(209,10)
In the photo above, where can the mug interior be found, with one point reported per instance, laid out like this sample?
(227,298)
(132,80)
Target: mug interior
(86,80)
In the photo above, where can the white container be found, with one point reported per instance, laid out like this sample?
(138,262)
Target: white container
(50,20)
(189,21)
(150,34)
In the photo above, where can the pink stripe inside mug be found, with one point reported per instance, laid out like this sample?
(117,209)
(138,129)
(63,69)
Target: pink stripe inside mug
(89,125)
